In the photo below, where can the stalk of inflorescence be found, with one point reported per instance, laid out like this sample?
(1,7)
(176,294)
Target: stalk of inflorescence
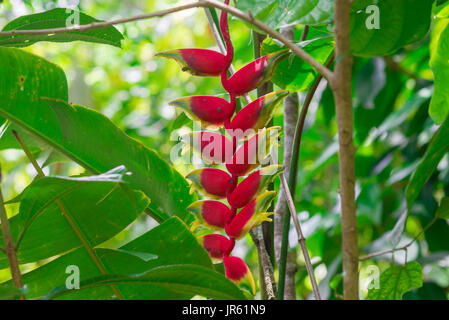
(247,200)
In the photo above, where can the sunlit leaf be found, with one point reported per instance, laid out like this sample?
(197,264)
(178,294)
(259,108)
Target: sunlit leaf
(397,280)
(58,18)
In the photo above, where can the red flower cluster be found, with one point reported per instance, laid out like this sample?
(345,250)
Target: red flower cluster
(247,200)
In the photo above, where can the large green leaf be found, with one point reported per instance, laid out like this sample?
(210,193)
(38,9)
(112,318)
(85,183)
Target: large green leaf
(82,134)
(438,147)
(183,279)
(402,22)
(397,280)
(439,57)
(59,214)
(294,74)
(282,13)
(58,18)
(171,242)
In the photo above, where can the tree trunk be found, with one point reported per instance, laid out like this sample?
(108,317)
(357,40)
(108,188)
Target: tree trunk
(342,88)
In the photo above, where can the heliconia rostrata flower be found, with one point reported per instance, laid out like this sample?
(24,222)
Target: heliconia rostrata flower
(248,199)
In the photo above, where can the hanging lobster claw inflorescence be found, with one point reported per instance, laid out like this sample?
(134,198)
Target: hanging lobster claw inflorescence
(248,201)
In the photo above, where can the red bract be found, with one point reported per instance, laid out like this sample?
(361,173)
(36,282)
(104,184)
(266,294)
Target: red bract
(211,111)
(212,214)
(213,147)
(252,185)
(217,246)
(237,271)
(253,75)
(210,181)
(253,152)
(199,62)
(250,216)
(256,115)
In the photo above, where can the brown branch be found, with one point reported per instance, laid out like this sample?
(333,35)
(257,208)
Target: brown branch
(301,239)
(341,83)
(10,249)
(197,4)
(393,65)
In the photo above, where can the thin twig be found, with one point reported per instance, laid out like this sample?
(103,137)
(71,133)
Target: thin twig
(404,248)
(30,157)
(301,239)
(341,85)
(305,33)
(81,237)
(10,249)
(201,3)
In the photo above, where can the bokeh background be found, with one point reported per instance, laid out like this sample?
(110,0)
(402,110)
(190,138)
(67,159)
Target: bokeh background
(132,88)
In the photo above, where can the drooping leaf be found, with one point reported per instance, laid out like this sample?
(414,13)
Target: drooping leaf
(397,280)
(84,135)
(183,279)
(401,22)
(58,18)
(58,214)
(437,148)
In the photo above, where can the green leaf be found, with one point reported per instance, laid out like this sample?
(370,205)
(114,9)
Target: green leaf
(294,74)
(58,214)
(183,279)
(402,22)
(82,134)
(58,18)
(443,209)
(437,148)
(397,280)
(439,56)
(282,13)
(172,243)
